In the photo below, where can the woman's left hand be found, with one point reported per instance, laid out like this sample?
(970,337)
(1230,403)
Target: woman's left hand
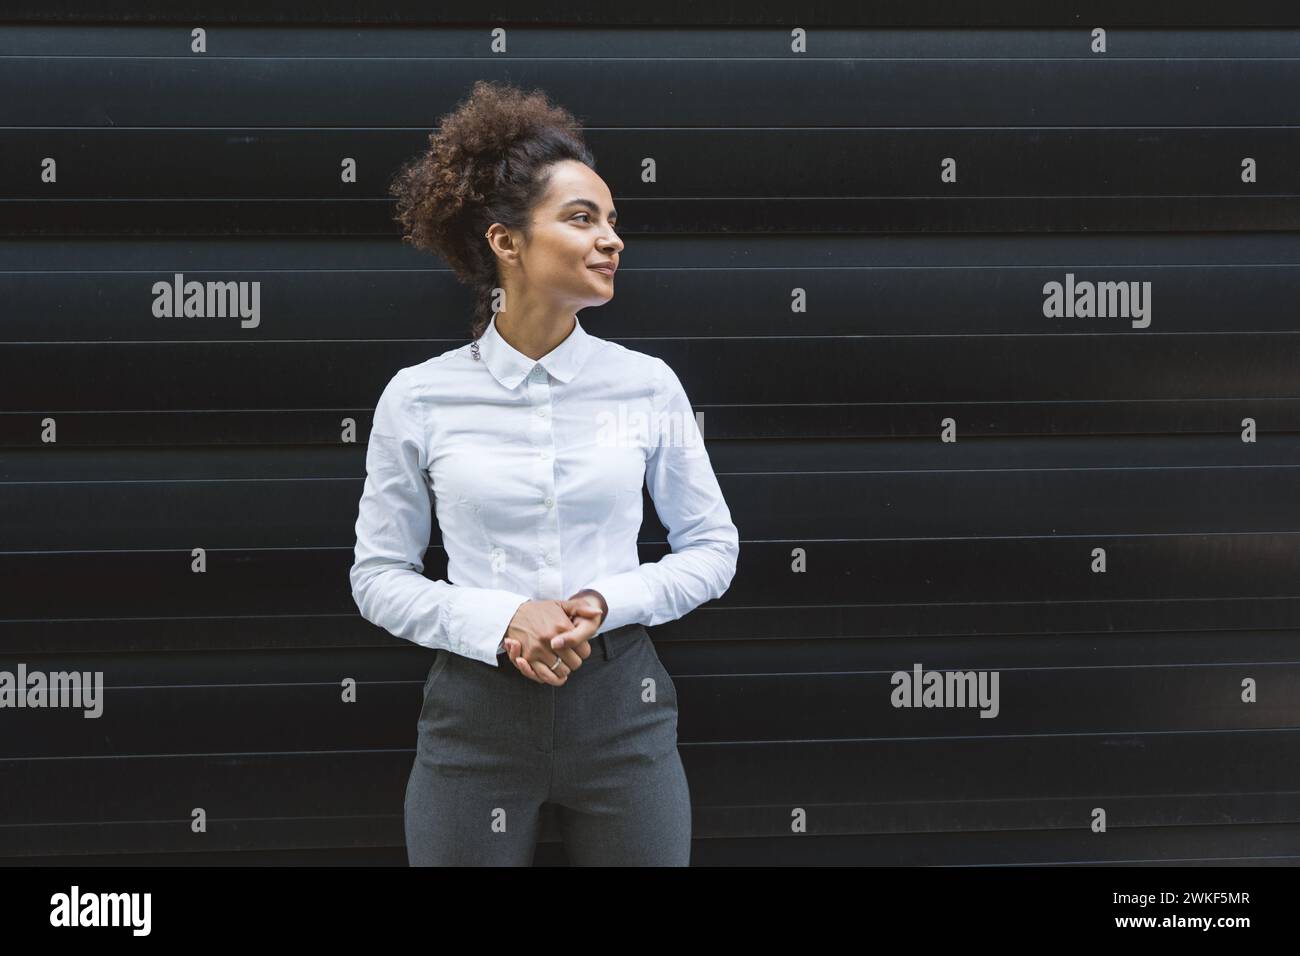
(586,609)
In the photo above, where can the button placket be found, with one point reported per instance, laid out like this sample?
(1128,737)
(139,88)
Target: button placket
(548,537)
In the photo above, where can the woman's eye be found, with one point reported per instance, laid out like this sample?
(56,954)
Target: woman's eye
(587,218)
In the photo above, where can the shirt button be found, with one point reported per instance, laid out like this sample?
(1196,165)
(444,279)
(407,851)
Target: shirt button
(550,558)
(543,454)
(541,413)
(538,373)
(548,502)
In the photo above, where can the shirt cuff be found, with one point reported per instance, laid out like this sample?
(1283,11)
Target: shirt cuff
(628,596)
(479,618)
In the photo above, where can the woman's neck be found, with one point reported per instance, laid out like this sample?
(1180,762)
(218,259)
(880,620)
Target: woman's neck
(537,337)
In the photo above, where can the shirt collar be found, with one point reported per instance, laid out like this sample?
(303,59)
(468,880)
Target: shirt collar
(510,366)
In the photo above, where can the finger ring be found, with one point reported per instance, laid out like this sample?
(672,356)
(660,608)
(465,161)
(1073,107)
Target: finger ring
(556,664)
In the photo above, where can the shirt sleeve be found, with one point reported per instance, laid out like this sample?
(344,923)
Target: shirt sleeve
(704,541)
(394,521)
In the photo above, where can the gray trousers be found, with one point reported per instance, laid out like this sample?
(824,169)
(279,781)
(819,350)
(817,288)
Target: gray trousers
(494,746)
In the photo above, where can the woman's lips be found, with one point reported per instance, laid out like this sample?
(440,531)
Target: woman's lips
(605,271)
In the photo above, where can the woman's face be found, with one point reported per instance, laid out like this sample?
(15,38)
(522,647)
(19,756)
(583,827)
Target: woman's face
(572,230)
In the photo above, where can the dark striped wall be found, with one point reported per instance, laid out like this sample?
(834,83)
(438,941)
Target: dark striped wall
(1077,438)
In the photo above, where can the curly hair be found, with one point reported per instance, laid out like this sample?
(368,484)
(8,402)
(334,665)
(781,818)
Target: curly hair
(487,162)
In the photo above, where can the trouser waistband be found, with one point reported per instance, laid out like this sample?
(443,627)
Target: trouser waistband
(612,643)
(615,641)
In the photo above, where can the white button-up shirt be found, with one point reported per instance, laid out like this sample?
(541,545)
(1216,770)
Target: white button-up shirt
(535,468)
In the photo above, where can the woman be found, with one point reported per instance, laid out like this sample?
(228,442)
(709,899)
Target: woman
(534,441)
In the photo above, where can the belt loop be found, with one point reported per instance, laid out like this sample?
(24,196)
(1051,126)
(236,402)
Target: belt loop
(604,644)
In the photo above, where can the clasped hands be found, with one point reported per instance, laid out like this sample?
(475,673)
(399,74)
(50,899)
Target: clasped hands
(541,631)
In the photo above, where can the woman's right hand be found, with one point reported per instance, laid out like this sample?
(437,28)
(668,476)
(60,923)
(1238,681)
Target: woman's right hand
(528,641)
